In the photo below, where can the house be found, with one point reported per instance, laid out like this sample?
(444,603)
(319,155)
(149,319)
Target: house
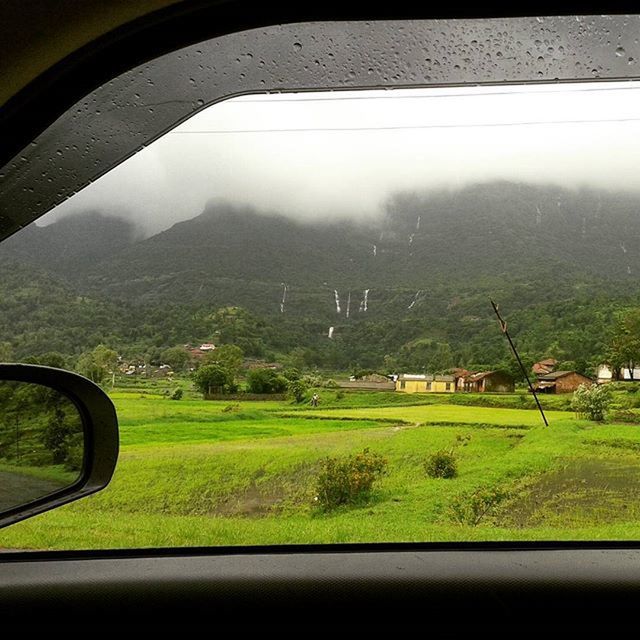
(487,382)
(369,382)
(425,383)
(561,382)
(367,385)
(459,375)
(544,366)
(605,374)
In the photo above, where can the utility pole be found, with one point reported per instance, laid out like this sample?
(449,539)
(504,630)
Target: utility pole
(503,328)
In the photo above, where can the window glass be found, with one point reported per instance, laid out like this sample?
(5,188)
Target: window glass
(269,290)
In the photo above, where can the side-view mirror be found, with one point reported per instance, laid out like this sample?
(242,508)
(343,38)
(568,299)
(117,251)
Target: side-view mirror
(58,439)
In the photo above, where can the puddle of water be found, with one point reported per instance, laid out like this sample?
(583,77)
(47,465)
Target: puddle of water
(582,493)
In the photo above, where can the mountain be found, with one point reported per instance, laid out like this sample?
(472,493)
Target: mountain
(424,270)
(68,247)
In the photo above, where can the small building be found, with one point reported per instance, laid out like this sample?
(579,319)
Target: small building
(544,366)
(488,382)
(425,383)
(367,385)
(561,382)
(605,374)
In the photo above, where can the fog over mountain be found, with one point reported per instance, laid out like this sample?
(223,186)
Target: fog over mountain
(343,155)
(416,280)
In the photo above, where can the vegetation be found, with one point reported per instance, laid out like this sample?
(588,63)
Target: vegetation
(40,430)
(348,480)
(63,291)
(441,464)
(127,312)
(592,401)
(213,378)
(266,381)
(200,472)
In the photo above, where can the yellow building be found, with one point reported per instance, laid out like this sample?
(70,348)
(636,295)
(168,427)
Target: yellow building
(425,383)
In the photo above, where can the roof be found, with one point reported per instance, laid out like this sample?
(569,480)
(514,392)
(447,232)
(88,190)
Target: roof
(480,375)
(428,377)
(560,374)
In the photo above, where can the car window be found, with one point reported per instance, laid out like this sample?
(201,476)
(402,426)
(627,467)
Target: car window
(375,315)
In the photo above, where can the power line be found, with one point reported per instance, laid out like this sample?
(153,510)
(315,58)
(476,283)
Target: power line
(405,127)
(394,94)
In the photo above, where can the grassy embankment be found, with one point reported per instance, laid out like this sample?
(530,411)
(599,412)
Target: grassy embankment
(224,473)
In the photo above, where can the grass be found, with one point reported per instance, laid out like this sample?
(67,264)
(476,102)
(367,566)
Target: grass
(218,473)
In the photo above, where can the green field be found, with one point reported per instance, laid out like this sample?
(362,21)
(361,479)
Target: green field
(194,472)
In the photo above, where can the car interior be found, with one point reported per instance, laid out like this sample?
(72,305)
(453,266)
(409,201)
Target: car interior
(85,88)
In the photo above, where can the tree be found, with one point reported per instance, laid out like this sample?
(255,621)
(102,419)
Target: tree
(229,356)
(176,357)
(51,359)
(213,378)
(59,434)
(97,364)
(298,389)
(624,349)
(266,381)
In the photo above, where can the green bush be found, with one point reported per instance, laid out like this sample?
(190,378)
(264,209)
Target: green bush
(213,378)
(297,389)
(177,394)
(441,464)
(330,383)
(472,507)
(266,381)
(348,480)
(592,402)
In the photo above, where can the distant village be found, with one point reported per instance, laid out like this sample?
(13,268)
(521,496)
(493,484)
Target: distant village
(543,375)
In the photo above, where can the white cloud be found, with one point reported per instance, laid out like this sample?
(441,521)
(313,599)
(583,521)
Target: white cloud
(326,155)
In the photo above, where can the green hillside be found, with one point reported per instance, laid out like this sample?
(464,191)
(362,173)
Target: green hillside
(409,288)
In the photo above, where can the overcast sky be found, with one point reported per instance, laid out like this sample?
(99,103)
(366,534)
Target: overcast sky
(326,155)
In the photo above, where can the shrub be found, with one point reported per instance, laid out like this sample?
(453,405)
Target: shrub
(592,401)
(441,464)
(297,389)
(348,480)
(266,381)
(212,378)
(312,380)
(471,508)
(177,394)
(330,383)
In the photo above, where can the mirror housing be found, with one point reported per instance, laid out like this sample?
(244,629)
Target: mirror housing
(100,426)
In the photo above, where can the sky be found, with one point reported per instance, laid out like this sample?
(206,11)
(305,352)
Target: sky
(343,154)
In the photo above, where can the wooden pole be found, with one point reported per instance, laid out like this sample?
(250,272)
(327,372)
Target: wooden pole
(503,328)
